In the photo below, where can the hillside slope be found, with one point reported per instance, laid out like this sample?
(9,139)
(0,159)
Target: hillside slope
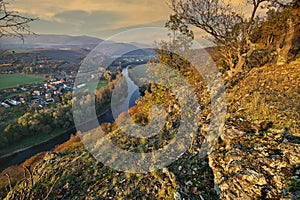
(258,156)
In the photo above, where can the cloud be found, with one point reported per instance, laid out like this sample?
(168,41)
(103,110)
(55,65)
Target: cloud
(92,20)
(116,30)
(136,11)
(91,17)
(100,18)
(86,24)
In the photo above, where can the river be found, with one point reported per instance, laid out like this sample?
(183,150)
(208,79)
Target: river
(20,156)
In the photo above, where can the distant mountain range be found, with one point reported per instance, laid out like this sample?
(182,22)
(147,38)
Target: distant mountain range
(47,41)
(65,42)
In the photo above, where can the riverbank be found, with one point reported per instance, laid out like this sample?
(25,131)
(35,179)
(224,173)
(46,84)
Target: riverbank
(30,142)
(30,146)
(19,153)
(37,139)
(19,156)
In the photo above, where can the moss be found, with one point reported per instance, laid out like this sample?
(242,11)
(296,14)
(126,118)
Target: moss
(294,186)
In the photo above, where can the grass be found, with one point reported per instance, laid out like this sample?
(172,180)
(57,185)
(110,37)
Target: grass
(95,85)
(269,93)
(31,140)
(15,80)
(16,94)
(100,84)
(19,51)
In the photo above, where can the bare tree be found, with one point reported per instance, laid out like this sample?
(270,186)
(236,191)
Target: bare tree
(229,29)
(12,23)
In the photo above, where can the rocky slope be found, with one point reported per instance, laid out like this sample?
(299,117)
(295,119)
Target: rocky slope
(257,157)
(72,173)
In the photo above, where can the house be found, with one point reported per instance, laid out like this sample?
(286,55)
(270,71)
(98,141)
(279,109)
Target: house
(43,104)
(48,97)
(67,88)
(81,86)
(57,92)
(5,105)
(37,93)
(22,100)
(56,99)
(23,88)
(13,102)
(53,87)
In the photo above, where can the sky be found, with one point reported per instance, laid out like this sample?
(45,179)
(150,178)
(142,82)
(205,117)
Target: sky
(98,18)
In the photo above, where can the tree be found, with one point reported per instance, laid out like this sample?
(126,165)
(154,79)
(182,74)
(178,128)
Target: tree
(279,30)
(13,24)
(230,30)
(108,75)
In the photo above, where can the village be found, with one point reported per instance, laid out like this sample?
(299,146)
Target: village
(50,91)
(38,95)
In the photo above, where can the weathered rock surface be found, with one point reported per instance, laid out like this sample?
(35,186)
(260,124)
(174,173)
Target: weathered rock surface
(248,167)
(258,155)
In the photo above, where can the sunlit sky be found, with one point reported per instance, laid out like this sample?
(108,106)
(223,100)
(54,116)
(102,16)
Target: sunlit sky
(98,18)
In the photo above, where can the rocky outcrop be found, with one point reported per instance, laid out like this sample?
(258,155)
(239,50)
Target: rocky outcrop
(257,157)
(257,165)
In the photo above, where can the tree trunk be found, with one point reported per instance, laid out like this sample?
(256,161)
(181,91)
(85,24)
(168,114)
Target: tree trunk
(243,57)
(283,52)
(240,64)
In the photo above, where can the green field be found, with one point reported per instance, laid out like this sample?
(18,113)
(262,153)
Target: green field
(96,85)
(16,51)
(15,80)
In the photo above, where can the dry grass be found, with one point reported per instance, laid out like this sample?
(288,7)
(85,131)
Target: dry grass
(69,146)
(270,93)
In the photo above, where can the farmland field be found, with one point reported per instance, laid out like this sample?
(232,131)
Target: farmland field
(15,80)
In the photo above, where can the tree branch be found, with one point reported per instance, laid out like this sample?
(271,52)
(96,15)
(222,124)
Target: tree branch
(13,24)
